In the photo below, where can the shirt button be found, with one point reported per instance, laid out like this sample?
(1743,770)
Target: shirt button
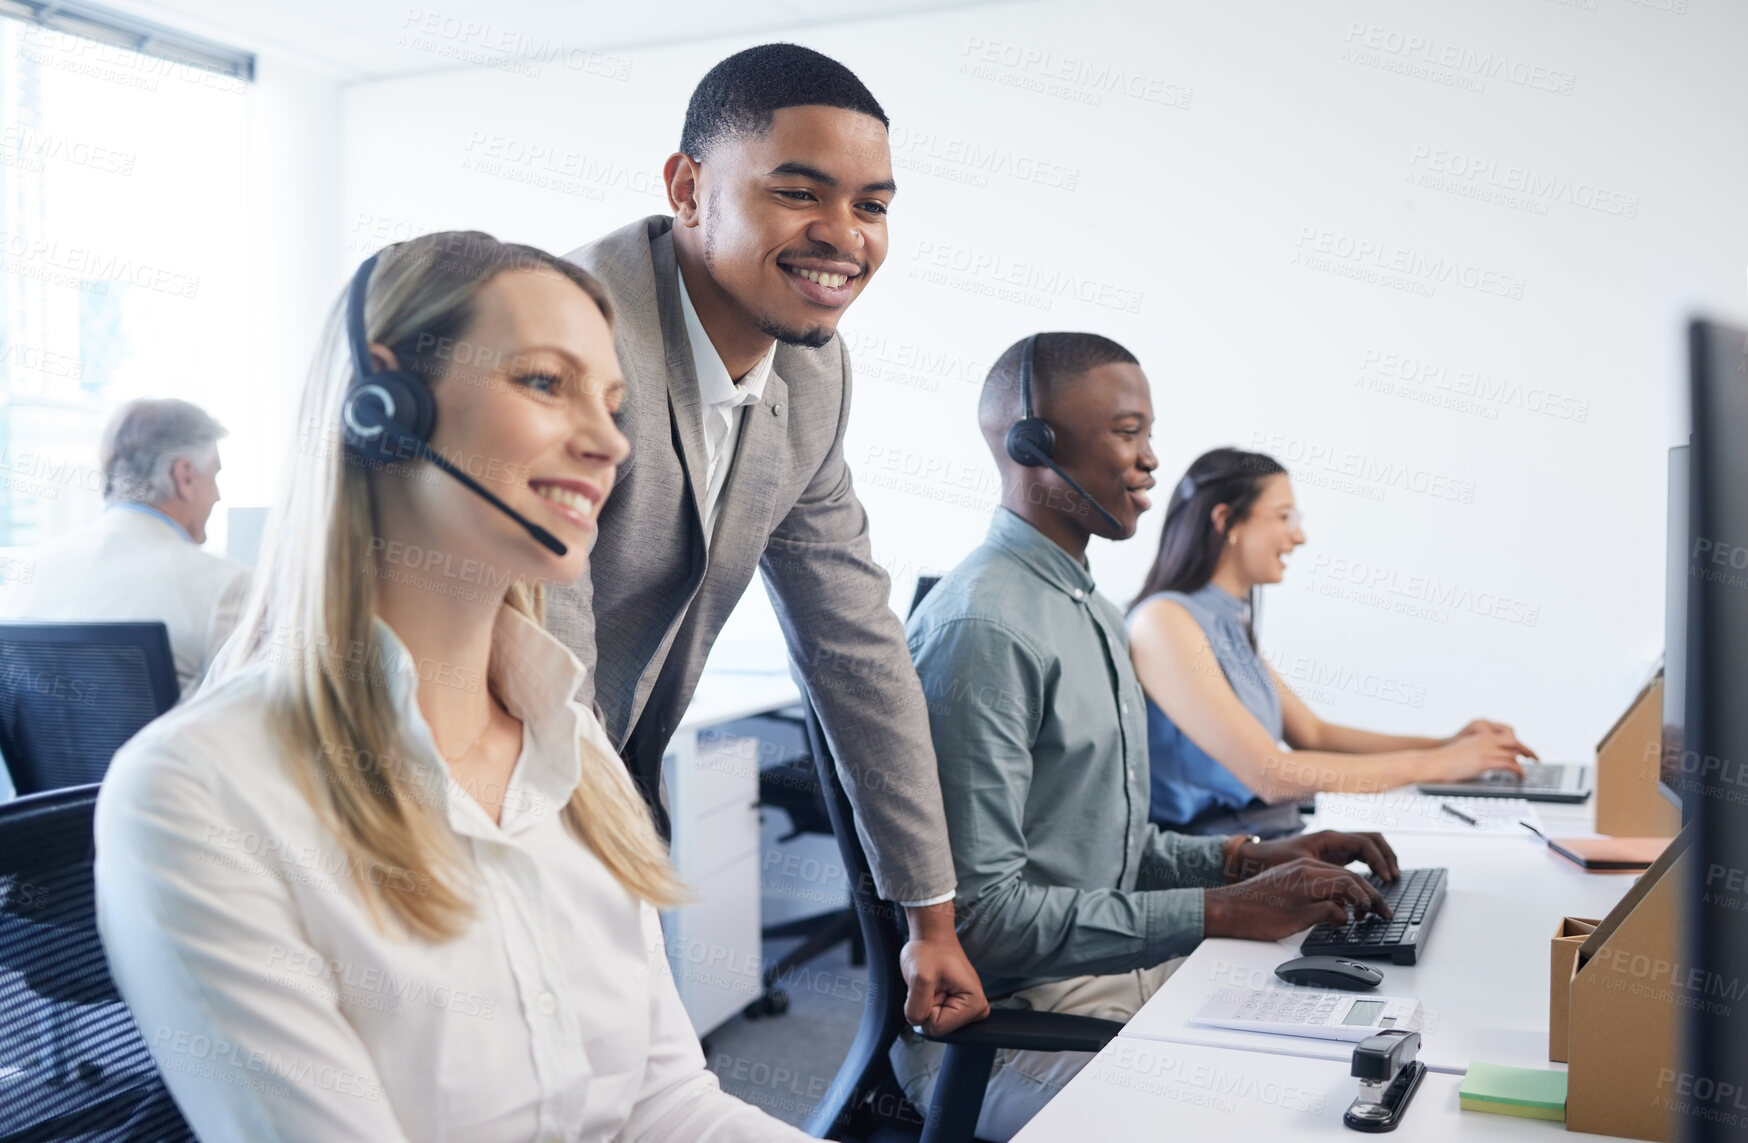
(1125,708)
(777,409)
(1079,594)
(547,1004)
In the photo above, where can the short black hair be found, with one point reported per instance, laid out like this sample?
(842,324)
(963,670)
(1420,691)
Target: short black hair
(740,95)
(1057,359)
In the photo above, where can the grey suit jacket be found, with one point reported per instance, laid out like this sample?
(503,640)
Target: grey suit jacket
(645,617)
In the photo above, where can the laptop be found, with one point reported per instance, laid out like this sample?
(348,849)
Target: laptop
(1541,782)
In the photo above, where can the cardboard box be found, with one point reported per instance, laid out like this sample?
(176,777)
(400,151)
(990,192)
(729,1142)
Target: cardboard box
(1628,760)
(1624,1012)
(1562,964)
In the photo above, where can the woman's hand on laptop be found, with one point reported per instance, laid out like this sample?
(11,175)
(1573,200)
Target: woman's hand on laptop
(1483,726)
(1475,751)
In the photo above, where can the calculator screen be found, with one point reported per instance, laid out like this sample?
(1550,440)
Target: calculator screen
(1363,1013)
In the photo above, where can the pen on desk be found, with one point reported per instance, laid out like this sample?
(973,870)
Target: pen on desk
(1532,829)
(1458,814)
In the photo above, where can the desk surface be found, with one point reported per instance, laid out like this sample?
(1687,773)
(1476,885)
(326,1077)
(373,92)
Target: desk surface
(1483,980)
(1142,1089)
(1483,975)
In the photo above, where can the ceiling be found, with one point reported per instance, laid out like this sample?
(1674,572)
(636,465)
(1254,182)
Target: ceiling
(376,39)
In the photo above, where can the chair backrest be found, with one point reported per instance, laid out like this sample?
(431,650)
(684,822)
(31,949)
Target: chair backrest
(924,585)
(84,1071)
(72,693)
(879,920)
(882,930)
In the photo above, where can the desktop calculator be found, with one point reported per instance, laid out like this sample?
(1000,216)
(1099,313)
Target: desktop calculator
(1307,1012)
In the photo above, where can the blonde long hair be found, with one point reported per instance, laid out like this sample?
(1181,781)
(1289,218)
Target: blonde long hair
(317,592)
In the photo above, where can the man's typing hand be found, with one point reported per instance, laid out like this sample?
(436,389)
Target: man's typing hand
(1286,898)
(1325,845)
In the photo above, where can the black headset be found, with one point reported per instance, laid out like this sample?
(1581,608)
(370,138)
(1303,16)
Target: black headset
(388,415)
(1032,442)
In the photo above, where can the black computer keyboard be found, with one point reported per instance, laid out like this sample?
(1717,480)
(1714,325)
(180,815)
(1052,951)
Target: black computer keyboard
(1413,899)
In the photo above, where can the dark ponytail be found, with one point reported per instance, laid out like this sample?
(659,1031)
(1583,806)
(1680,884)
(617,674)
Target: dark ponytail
(1189,545)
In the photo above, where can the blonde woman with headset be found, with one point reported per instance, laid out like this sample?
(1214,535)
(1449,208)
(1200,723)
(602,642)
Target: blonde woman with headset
(381,879)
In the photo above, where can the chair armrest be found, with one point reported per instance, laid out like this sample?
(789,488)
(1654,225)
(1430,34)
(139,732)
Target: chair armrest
(1026,1030)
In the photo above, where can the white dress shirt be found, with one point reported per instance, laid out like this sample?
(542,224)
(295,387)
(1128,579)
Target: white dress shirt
(134,563)
(723,400)
(277,1010)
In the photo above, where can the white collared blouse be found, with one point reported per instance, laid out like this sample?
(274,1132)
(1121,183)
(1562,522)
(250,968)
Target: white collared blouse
(277,1009)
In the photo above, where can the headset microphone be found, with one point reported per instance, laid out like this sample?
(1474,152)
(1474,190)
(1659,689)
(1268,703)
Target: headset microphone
(389,415)
(1031,440)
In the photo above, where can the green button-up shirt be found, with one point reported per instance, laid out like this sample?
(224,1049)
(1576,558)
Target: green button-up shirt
(1040,733)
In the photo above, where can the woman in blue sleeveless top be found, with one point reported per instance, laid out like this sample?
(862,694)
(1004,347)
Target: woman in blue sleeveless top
(1217,713)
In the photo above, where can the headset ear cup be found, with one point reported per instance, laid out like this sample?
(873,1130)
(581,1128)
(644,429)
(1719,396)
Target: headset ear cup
(385,414)
(1030,441)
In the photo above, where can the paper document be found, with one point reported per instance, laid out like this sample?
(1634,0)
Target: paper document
(1406,811)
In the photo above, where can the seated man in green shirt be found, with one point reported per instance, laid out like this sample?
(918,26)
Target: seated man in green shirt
(1067,896)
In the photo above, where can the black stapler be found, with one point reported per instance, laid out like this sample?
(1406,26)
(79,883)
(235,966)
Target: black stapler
(1389,1075)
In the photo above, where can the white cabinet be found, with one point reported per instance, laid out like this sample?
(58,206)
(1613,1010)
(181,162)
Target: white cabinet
(713,944)
(712,781)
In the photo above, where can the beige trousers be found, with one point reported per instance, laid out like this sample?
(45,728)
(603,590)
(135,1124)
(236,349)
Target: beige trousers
(1021,1083)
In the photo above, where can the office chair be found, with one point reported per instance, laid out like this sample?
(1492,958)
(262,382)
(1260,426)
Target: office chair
(793,787)
(865,1101)
(94,1079)
(72,693)
(924,585)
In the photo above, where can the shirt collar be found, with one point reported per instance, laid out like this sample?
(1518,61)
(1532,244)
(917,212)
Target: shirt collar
(715,386)
(1042,554)
(536,676)
(148,510)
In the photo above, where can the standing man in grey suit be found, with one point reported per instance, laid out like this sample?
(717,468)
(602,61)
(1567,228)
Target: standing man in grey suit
(738,390)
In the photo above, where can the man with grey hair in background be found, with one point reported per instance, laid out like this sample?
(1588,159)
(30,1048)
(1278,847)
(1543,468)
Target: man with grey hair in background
(141,559)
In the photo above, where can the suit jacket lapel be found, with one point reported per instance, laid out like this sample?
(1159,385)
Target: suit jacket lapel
(685,407)
(743,520)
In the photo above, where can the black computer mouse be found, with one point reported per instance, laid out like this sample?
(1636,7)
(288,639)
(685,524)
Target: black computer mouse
(1330,972)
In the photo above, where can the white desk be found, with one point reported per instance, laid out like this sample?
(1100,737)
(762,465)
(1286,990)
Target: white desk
(1482,978)
(714,945)
(1145,1090)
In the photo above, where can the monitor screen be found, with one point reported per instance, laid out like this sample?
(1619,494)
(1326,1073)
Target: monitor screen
(1714,762)
(1678,546)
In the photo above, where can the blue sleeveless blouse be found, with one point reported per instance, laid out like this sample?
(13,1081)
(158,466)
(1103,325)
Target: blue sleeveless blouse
(1187,781)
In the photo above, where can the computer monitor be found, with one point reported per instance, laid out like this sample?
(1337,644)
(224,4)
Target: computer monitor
(1678,566)
(1715,787)
(244,528)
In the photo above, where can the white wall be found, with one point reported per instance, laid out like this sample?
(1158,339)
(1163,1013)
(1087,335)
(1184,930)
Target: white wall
(294,209)
(1179,211)
(280,289)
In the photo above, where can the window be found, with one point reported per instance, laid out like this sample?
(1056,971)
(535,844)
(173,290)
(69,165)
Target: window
(124,251)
